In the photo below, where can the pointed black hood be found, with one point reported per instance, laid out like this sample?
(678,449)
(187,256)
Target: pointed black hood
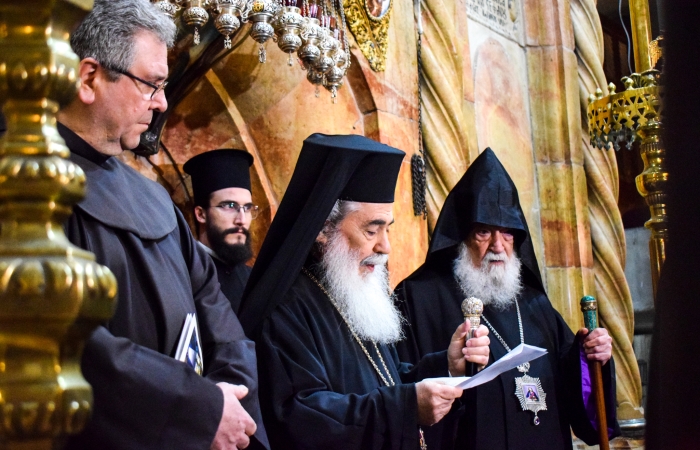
(329,168)
(485,194)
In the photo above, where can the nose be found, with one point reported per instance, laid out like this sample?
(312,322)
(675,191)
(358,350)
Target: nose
(239,217)
(497,242)
(383,245)
(159,102)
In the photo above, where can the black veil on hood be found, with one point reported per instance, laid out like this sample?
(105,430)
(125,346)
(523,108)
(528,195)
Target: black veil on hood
(329,168)
(485,194)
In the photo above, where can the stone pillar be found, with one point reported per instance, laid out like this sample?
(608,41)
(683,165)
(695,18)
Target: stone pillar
(556,122)
(607,233)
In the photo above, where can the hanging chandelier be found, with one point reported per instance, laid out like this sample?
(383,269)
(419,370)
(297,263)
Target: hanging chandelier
(313,30)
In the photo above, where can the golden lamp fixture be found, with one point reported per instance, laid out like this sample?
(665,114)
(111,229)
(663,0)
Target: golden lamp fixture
(314,31)
(635,115)
(52,294)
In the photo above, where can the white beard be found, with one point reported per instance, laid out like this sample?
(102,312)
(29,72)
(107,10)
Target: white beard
(364,301)
(497,285)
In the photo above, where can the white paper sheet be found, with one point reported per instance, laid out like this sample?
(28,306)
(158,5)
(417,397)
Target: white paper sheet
(519,355)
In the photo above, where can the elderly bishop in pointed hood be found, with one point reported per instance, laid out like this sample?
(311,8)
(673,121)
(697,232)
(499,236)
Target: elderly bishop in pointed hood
(481,247)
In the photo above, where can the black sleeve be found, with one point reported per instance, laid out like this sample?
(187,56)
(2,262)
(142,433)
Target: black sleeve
(146,400)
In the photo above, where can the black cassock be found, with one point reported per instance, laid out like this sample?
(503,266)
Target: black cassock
(232,278)
(321,391)
(144,399)
(492,417)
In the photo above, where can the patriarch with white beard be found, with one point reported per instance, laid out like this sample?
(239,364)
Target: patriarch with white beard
(364,299)
(497,285)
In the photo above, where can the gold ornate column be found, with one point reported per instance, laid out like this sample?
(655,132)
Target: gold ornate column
(626,117)
(607,232)
(52,294)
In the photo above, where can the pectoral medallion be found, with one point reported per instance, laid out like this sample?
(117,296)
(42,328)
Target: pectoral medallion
(528,389)
(532,397)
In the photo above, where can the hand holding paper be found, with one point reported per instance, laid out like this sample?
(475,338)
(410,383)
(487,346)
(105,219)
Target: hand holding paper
(519,355)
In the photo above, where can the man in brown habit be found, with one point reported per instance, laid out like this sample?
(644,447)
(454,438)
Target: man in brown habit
(144,398)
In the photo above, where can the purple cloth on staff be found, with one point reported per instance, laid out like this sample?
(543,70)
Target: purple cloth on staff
(587,391)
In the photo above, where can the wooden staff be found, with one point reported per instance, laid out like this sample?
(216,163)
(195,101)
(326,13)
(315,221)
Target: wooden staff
(589,307)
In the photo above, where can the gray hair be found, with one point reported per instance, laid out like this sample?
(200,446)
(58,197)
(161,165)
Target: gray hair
(107,33)
(340,210)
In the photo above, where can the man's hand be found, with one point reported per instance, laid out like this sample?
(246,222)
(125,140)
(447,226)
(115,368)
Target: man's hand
(476,349)
(597,345)
(236,425)
(434,401)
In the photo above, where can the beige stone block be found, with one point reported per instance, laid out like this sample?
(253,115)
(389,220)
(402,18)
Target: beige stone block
(464,49)
(541,22)
(548,23)
(469,111)
(565,289)
(581,213)
(557,216)
(565,24)
(573,105)
(550,118)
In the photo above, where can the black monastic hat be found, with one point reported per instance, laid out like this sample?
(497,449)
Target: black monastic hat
(485,194)
(218,169)
(329,168)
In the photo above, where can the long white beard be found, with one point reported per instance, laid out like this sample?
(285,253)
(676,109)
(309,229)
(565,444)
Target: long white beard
(364,301)
(497,285)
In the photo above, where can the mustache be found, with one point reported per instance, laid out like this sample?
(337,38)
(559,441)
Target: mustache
(491,256)
(377,259)
(236,230)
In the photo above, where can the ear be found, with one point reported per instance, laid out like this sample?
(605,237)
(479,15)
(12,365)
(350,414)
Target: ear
(322,237)
(200,214)
(88,73)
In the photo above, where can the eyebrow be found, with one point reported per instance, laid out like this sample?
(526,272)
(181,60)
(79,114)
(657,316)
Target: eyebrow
(379,222)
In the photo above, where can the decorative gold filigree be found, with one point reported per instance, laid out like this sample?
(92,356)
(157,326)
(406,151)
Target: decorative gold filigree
(371,33)
(656,50)
(52,294)
(615,119)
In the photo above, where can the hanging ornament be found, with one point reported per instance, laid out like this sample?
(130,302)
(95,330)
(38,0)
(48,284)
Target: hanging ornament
(316,78)
(227,22)
(261,15)
(195,16)
(334,76)
(168,7)
(287,26)
(311,34)
(327,46)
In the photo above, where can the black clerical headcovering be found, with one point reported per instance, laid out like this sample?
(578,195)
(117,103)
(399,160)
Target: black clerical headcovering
(218,169)
(329,168)
(485,194)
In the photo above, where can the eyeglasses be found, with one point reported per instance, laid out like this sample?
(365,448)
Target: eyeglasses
(234,208)
(156,87)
